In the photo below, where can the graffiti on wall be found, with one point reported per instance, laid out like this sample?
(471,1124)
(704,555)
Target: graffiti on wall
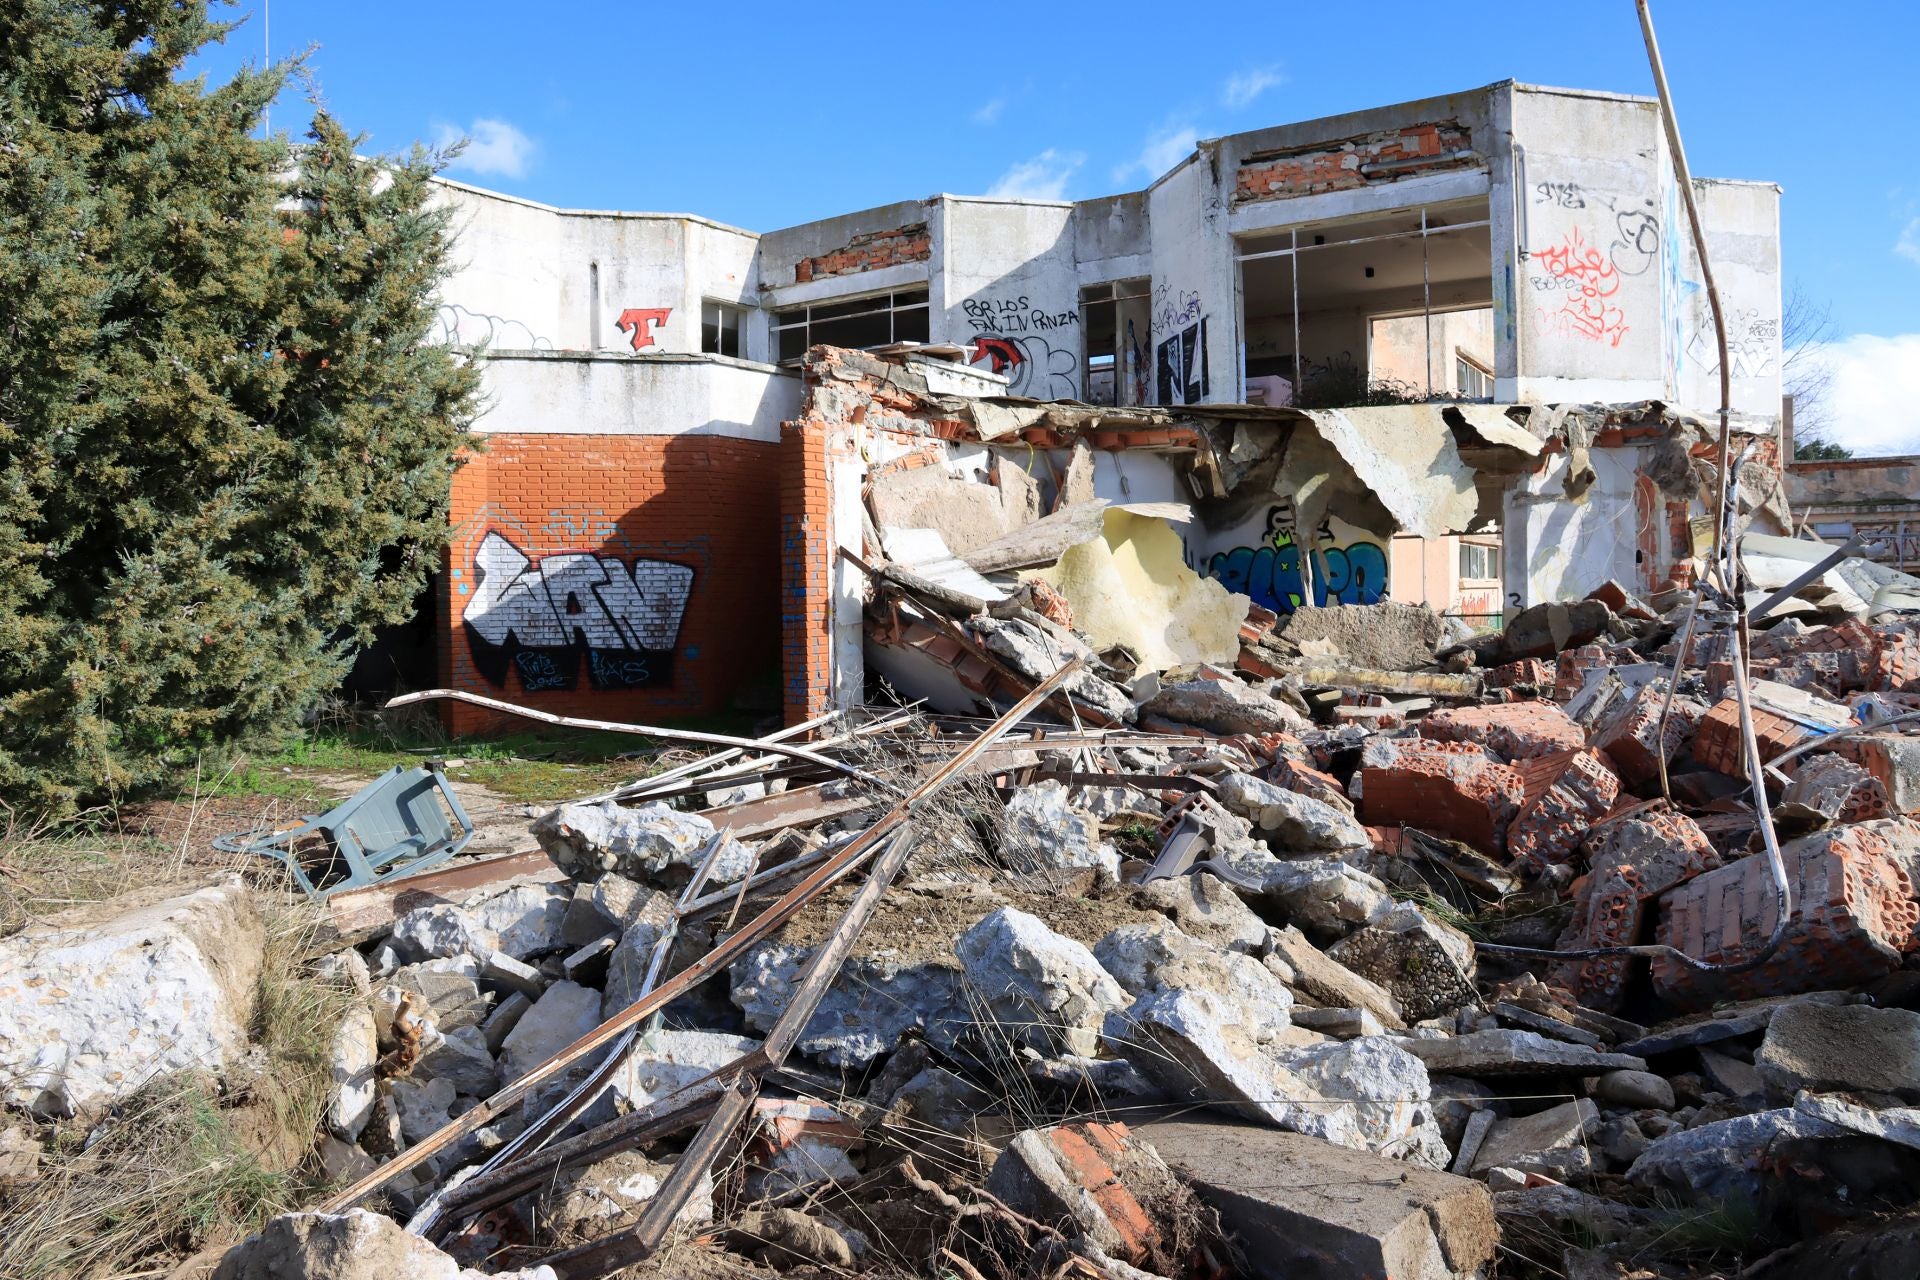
(1032,366)
(1753,344)
(1580,284)
(1180,364)
(1270,573)
(640,322)
(1174,308)
(455,326)
(1037,350)
(540,618)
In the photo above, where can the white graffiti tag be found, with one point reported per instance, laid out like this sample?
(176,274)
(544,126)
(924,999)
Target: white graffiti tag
(574,598)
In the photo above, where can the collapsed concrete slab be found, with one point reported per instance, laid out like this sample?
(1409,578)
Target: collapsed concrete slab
(1308,1210)
(96,1002)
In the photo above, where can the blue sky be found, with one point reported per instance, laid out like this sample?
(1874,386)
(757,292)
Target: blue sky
(768,115)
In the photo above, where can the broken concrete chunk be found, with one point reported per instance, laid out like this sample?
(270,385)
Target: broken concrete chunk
(1224,707)
(1725,1159)
(647,916)
(1427,965)
(874,1002)
(1294,822)
(355,1245)
(646,843)
(1204,907)
(1387,1088)
(441,931)
(1840,1047)
(1150,956)
(354,1052)
(669,1060)
(1517,1143)
(461,1057)
(1327,980)
(1502,1052)
(1045,990)
(1044,828)
(1304,1209)
(783,1237)
(96,1002)
(528,919)
(562,1015)
(1327,896)
(1392,635)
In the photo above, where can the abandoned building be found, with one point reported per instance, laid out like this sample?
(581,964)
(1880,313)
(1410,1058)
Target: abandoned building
(660,504)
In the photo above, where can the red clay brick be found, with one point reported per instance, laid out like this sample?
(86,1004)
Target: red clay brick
(1853,916)
(1563,796)
(1513,731)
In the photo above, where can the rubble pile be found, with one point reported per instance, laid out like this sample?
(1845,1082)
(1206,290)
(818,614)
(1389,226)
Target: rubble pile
(1127,993)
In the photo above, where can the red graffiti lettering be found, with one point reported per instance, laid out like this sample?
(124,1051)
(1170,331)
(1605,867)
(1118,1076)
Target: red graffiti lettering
(640,322)
(1585,280)
(1001,356)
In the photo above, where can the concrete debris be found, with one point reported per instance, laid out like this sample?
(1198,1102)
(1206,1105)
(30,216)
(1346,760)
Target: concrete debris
(1853,1048)
(1306,1208)
(641,844)
(98,1001)
(1331,880)
(1044,828)
(355,1245)
(1037,988)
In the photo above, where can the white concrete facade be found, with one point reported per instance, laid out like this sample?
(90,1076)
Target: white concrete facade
(1575,242)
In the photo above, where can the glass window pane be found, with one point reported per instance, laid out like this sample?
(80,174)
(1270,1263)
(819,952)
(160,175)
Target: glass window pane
(793,342)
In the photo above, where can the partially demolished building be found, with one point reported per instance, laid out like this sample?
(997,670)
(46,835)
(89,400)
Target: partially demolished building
(665,490)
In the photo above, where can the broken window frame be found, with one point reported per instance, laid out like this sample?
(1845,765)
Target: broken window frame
(1320,230)
(713,329)
(1107,293)
(892,303)
(1466,369)
(1488,557)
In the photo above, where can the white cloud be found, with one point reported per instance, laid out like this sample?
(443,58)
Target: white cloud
(1908,245)
(1044,177)
(1165,147)
(989,111)
(1243,87)
(1873,405)
(494,148)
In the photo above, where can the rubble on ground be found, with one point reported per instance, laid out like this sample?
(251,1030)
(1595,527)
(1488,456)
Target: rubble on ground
(1219,970)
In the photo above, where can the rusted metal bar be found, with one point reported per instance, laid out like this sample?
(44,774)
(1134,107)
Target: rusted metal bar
(645,731)
(634,1244)
(725,953)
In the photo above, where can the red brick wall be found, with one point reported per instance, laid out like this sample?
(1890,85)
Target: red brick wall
(806,571)
(869,252)
(1337,167)
(697,515)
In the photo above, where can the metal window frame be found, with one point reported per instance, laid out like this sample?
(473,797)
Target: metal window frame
(892,310)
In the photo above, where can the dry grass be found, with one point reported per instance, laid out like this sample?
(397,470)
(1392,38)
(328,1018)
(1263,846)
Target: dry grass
(188,1162)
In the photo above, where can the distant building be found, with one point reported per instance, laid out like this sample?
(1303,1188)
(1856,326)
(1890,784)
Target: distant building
(1506,244)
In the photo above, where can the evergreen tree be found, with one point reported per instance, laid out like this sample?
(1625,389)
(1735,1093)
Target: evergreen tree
(225,445)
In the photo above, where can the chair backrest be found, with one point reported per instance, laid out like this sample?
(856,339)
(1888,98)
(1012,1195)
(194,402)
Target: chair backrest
(405,815)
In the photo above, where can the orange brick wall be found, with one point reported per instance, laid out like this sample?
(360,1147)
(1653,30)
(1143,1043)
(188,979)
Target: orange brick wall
(806,570)
(697,515)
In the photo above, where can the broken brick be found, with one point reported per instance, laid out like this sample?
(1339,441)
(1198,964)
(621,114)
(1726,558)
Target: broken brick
(1570,670)
(1894,761)
(1563,795)
(1310,782)
(1852,917)
(1630,733)
(1453,789)
(1716,744)
(1837,789)
(1608,912)
(1512,730)
(1527,672)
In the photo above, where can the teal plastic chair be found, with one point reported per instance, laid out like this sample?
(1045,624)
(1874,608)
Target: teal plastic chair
(402,822)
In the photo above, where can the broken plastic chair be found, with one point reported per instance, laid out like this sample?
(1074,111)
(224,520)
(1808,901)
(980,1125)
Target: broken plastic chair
(404,821)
